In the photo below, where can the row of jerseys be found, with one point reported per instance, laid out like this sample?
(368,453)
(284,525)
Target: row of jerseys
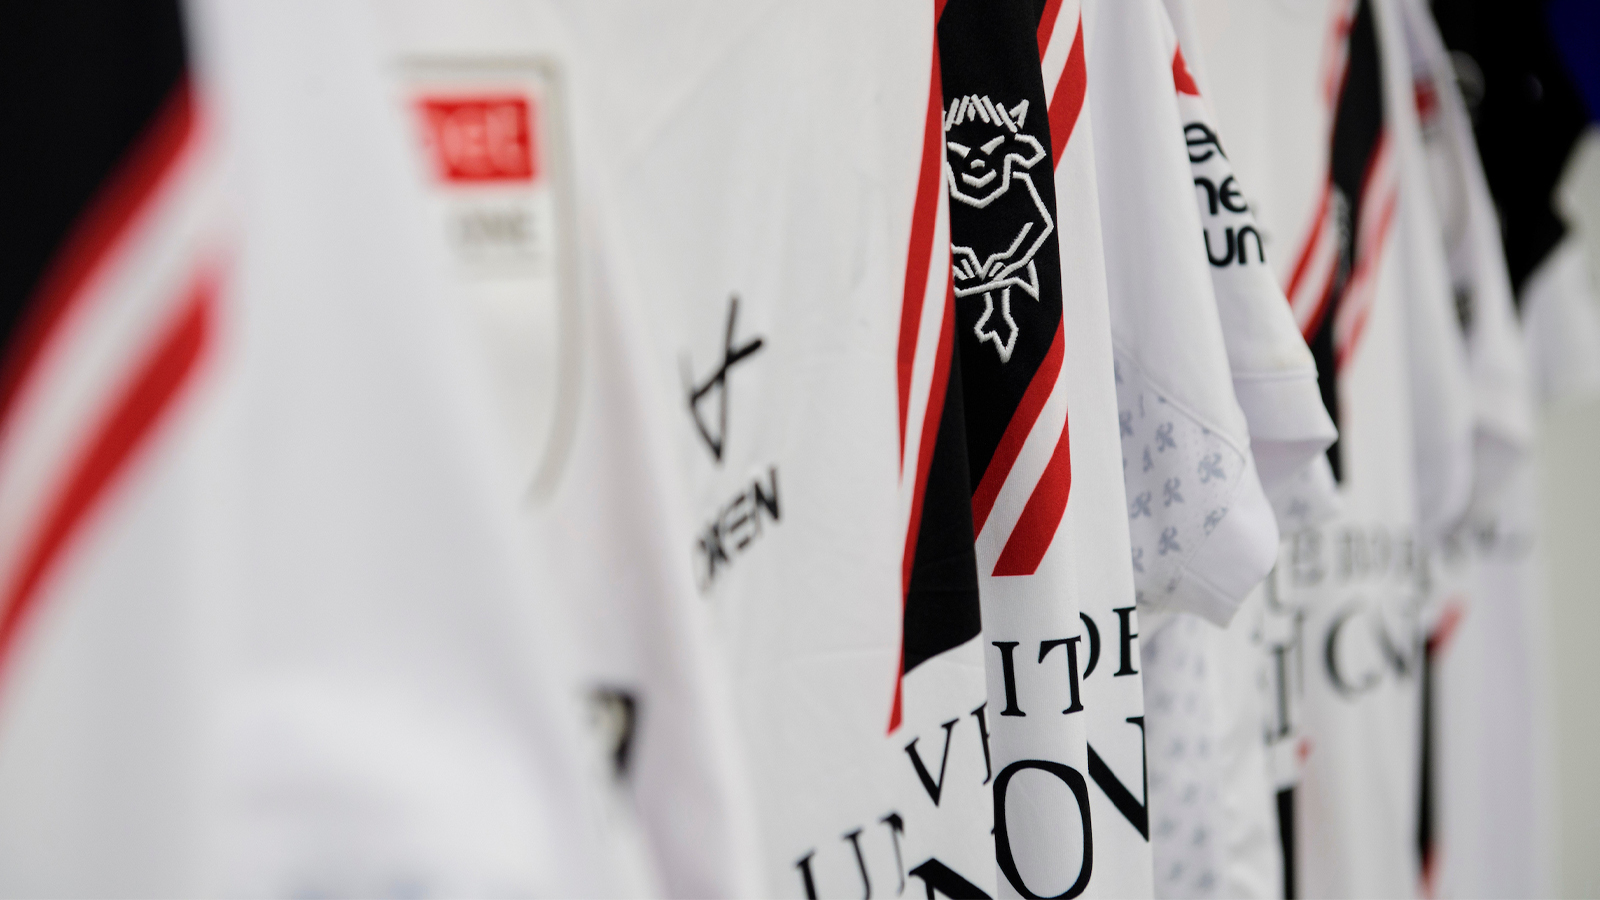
(830,449)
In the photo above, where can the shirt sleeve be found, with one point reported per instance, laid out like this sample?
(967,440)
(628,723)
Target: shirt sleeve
(1201,529)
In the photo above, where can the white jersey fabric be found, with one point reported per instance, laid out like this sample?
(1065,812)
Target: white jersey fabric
(1497,825)
(1493,785)
(1480,283)
(1181,471)
(798,267)
(772,309)
(302,648)
(1201,527)
(769,318)
(1288,80)
(521,209)
(1091,531)
(1274,375)
(1212,795)
(1461,839)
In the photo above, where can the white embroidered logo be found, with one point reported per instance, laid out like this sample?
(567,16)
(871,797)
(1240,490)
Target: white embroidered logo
(982,169)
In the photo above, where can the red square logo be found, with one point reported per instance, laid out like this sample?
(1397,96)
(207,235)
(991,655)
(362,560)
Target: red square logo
(481,138)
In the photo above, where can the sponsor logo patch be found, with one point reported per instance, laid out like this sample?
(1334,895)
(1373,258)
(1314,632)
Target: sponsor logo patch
(481,138)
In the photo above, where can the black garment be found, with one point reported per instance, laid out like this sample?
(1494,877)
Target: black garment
(988,53)
(1358,138)
(1527,114)
(80,80)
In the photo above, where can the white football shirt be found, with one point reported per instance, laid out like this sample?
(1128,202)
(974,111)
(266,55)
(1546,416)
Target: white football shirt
(1456,831)
(304,649)
(1320,90)
(510,109)
(771,234)
(1202,531)
(1210,683)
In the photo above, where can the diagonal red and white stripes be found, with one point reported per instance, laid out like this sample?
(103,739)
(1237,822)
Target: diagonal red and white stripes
(1023,493)
(927,332)
(1019,501)
(1380,194)
(114,333)
(1311,279)
(1314,277)
(1065,75)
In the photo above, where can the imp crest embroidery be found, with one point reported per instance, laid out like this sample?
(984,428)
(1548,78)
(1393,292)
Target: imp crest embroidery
(988,164)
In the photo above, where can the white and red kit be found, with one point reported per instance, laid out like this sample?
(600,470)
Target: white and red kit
(1318,104)
(276,629)
(1212,795)
(1475,642)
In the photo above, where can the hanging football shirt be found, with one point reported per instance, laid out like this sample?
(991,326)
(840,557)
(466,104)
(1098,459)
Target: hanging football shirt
(1497,822)
(1492,831)
(861,787)
(1480,282)
(1274,376)
(999,160)
(1441,447)
(109,310)
(1267,70)
(1495,828)
(298,646)
(1368,283)
(776,268)
(1176,457)
(515,139)
(1206,683)
(1203,533)
(1080,564)
(1456,660)
(1101,579)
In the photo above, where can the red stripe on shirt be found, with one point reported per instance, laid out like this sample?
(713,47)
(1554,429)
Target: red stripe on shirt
(131,418)
(1365,272)
(108,217)
(1181,77)
(1047,25)
(1309,248)
(930,436)
(924,212)
(1324,299)
(1455,609)
(1017,431)
(1067,101)
(1042,516)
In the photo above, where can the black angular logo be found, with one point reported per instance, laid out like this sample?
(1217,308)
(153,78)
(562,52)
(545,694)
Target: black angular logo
(717,382)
